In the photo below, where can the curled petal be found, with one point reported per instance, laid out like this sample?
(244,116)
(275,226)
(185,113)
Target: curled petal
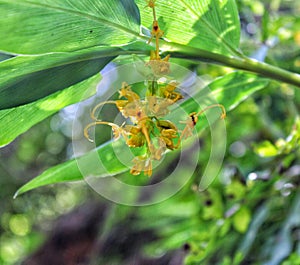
(168,139)
(187,132)
(94,110)
(117,130)
(223,114)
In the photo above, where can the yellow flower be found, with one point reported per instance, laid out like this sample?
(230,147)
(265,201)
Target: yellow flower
(141,163)
(169,93)
(167,135)
(151,3)
(159,66)
(136,137)
(126,92)
(156,153)
(168,132)
(158,107)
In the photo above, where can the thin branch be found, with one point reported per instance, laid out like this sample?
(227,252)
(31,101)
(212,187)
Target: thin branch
(241,63)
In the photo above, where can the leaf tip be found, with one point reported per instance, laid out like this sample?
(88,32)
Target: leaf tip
(17,193)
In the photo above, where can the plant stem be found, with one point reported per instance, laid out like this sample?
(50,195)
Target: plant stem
(242,63)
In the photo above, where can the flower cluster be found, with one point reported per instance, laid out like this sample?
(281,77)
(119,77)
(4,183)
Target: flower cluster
(147,126)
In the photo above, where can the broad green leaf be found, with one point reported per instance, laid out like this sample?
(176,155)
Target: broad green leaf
(229,90)
(24,79)
(211,25)
(16,121)
(42,26)
(69,171)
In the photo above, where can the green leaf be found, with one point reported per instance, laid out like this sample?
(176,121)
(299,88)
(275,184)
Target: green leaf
(236,189)
(229,90)
(24,79)
(42,26)
(4,56)
(241,219)
(69,170)
(266,149)
(39,76)
(213,210)
(210,25)
(16,121)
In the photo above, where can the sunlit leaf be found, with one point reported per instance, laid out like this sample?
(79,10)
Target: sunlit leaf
(210,25)
(16,121)
(42,26)
(40,75)
(24,79)
(266,149)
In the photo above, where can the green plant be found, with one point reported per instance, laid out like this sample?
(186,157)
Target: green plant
(52,60)
(50,55)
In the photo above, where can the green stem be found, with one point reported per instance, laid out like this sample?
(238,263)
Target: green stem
(242,63)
